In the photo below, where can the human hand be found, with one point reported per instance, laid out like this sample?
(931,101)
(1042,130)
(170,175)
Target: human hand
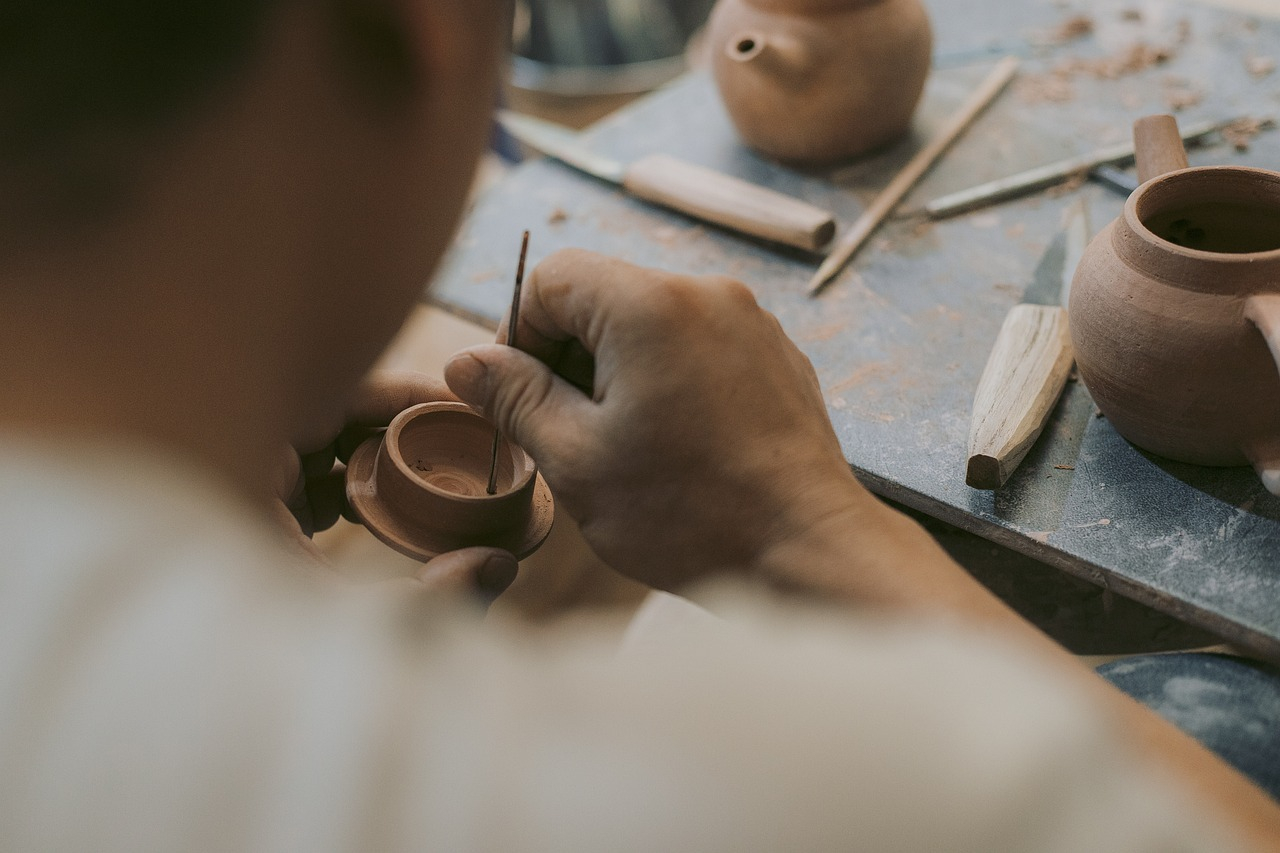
(311,487)
(671,416)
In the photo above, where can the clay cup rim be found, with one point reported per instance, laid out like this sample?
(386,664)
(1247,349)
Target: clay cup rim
(525,469)
(1228,184)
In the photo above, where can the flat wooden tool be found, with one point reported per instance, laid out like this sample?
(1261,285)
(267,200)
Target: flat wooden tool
(848,245)
(1028,367)
(1020,385)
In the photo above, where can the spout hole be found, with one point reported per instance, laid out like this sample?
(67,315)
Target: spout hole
(745,47)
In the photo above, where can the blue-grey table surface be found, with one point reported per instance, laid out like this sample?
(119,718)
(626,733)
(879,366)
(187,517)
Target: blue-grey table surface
(901,337)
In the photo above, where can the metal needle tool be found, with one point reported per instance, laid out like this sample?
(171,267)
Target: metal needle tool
(511,341)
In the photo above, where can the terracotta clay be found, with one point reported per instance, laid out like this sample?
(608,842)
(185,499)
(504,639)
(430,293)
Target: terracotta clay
(421,486)
(1175,311)
(819,81)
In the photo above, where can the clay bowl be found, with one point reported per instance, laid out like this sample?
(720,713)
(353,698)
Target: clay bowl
(421,486)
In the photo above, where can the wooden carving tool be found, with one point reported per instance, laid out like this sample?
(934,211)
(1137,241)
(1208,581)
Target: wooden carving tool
(1029,364)
(1048,175)
(853,240)
(512,322)
(693,190)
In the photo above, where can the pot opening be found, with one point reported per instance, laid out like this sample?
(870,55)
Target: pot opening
(1222,227)
(450,452)
(1217,210)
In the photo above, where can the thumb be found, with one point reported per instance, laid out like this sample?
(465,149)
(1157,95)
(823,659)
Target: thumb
(519,394)
(486,572)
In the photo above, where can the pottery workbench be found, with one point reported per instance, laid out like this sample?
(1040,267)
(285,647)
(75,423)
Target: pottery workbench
(901,337)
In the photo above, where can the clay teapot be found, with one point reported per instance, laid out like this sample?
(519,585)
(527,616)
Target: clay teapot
(818,81)
(1175,310)
(422,487)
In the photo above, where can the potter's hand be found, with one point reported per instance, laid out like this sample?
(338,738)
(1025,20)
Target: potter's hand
(671,416)
(311,486)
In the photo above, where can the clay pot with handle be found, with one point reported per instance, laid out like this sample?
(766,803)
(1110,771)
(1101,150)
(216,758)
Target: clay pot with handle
(1175,310)
(819,81)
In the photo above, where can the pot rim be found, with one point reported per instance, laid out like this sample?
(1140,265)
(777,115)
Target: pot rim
(1139,228)
(391,444)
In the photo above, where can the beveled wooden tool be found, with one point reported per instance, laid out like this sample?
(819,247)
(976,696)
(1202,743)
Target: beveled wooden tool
(512,323)
(692,190)
(1029,365)
(848,245)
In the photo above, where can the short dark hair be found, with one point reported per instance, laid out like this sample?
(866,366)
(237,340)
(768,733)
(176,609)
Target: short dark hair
(86,84)
(81,79)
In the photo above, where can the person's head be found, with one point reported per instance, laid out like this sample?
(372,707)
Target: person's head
(276,178)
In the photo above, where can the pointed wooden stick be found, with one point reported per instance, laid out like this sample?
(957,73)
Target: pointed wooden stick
(848,245)
(511,341)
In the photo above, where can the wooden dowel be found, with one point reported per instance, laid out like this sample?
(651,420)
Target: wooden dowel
(513,321)
(848,245)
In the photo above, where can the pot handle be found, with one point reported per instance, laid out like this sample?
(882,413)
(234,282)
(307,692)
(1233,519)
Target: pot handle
(1157,143)
(1263,310)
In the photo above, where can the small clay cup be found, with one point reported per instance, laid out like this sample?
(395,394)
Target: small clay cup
(421,487)
(1175,311)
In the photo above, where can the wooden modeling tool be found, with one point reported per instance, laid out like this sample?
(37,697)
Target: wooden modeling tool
(1029,364)
(848,245)
(692,190)
(511,342)
(1048,175)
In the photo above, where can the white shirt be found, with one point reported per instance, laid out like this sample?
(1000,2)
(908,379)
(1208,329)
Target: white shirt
(172,680)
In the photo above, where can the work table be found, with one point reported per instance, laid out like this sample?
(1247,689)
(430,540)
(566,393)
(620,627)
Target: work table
(901,336)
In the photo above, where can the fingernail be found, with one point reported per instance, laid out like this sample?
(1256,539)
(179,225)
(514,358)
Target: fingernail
(497,573)
(468,377)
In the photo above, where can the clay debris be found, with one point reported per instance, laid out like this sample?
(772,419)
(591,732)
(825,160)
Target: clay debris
(1242,131)
(1259,66)
(1075,27)
(1137,57)
(1180,93)
(1058,84)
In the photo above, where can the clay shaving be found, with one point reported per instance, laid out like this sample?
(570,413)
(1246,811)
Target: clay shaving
(1137,57)
(1242,131)
(1071,29)
(1180,94)
(1259,66)
(1057,85)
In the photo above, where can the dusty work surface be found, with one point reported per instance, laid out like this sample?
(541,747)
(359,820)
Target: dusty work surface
(900,338)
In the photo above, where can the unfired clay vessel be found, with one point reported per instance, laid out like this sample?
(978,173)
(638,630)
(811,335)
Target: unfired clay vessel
(1175,310)
(421,487)
(819,81)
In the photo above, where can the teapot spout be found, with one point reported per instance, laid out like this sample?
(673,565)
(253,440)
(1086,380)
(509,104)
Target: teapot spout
(781,55)
(1158,145)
